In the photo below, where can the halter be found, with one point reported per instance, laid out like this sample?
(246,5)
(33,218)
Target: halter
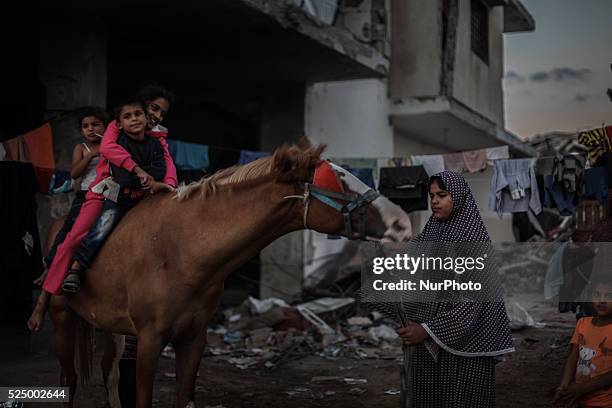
(328,196)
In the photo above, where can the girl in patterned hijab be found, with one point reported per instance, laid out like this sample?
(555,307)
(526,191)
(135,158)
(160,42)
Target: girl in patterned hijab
(456,344)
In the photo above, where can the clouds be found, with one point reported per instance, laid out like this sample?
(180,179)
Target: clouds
(564,74)
(561,74)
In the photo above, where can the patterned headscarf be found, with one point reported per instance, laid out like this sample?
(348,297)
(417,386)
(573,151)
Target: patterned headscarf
(464,223)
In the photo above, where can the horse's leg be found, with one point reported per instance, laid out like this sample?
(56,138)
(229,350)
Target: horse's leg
(188,355)
(149,347)
(113,348)
(64,338)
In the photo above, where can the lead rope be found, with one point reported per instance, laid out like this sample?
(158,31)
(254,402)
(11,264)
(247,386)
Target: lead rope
(306,198)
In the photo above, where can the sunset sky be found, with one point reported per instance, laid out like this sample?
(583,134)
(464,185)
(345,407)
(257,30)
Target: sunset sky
(556,77)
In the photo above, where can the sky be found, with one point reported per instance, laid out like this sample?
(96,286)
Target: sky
(557,76)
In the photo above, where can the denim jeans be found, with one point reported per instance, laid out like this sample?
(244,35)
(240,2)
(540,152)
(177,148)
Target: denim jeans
(75,208)
(110,215)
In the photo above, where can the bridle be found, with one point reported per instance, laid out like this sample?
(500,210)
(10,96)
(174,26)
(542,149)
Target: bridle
(328,197)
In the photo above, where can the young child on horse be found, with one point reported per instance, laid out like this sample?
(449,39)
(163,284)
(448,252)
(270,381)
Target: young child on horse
(123,189)
(158,101)
(91,123)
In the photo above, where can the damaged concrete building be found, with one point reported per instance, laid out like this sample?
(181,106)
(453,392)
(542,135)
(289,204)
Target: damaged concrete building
(371,78)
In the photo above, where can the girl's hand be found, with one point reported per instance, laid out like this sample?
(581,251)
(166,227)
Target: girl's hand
(413,333)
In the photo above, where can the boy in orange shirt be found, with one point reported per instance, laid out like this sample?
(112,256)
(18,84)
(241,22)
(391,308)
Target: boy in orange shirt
(587,377)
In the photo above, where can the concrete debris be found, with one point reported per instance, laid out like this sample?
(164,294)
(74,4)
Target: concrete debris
(254,336)
(262,306)
(382,332)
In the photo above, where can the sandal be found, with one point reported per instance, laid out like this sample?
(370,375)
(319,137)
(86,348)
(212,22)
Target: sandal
(72,283)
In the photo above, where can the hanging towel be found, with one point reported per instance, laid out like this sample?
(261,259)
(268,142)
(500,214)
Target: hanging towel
(454,162)
(433,163)
(405,186)
(497,153)
(596,183)
(35,147)
(188,156)
(514,187)
(597,143)
(247,156)
(475,160)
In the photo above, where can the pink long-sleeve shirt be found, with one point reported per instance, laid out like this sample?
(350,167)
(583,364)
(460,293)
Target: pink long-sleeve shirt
(111,152)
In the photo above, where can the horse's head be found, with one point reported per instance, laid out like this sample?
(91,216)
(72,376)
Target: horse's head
(336,202)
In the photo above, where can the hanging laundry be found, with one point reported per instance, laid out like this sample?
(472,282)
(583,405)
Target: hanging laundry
(39,143)
(454,162)
(365,175)
(399,162)
(361,163)
(405,186)
(188,156)
(16,149)
(597,143)
(596,183)
(61,182)
(247,156)
(514,187)
(497,153)
(475,160)
(569,171)
(433,163)
(556,197)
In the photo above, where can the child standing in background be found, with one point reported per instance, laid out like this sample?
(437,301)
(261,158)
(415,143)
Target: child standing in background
(587,377)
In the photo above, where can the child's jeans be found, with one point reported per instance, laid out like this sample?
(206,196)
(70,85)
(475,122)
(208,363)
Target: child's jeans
(110,216)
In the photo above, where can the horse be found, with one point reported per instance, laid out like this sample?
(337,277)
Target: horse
(161,273)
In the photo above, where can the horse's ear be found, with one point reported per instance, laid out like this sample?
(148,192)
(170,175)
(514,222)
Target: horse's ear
(304,143)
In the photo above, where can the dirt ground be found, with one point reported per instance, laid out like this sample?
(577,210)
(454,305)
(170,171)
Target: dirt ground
(526,379)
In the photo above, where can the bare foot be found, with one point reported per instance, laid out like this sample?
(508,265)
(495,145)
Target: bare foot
(37,319)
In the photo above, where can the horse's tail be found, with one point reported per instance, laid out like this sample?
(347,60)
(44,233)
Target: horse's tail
(85,343)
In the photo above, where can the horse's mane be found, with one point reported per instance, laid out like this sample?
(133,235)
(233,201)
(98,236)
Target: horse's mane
(289,163)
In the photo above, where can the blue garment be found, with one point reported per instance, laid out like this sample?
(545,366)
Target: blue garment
(596,183)
(554,196)
(61,182)
(188,156)
(365,175)
(514,187)
(247,156)
(110,215)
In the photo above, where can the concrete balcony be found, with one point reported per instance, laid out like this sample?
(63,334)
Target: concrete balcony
(447,124)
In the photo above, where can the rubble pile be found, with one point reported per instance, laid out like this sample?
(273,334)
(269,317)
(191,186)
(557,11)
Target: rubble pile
(268,333)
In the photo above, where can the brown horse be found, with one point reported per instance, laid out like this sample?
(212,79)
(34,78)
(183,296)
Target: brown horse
(161,273)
